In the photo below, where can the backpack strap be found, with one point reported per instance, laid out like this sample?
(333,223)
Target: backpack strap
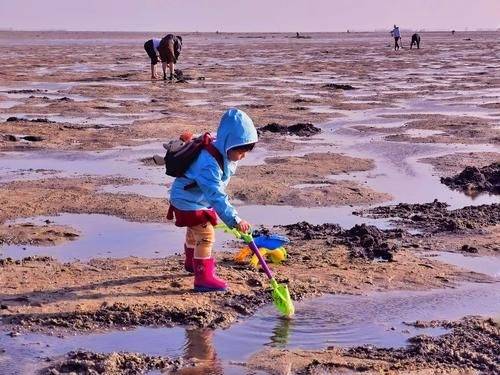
(212,150)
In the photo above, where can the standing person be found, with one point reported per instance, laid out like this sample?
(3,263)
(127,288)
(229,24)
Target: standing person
(151,47)
(169,49)
(397,37)
(199,196)
(415,39)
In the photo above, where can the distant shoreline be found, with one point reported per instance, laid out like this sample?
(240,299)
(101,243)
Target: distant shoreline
(244,32)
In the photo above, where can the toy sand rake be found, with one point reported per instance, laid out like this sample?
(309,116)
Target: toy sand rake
(280,293)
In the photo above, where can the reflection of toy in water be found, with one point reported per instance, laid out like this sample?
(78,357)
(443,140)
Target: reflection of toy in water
(270,247)
(281,333)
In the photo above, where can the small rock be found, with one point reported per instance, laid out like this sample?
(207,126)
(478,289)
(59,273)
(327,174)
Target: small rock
(10,138)
(336,86)
(33,138)
(469,249)
(175,284)
(42,120)
(254,283)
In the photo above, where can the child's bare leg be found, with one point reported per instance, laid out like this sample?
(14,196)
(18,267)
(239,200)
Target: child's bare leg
(189,246)
(153,71)
(190,239)
(171,68)
(164,68)
(204,240)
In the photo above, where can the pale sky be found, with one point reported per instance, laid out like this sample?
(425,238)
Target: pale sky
(252,16)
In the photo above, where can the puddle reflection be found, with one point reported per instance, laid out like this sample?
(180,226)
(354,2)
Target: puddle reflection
(199,347)
(340,320)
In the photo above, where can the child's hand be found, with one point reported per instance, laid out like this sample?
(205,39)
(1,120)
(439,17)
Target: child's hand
(243,226)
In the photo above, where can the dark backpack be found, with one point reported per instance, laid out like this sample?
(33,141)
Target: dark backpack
(178,161)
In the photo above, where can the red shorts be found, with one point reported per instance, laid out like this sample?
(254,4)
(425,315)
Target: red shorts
(191,218)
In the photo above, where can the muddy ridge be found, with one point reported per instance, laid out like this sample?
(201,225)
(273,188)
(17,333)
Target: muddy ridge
(83,362)
(363,241)
(473,180)
(33,258)
(338,86)
(435,217)
(51,297)
(300,129)
(473,344)
(31,234)
(471,347)
(119,315)
(278,181)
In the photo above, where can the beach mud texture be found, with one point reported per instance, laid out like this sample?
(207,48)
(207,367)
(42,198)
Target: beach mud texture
(79,101)
(473,180)
(83,362)
(436,217)
(113,293)
(471,346)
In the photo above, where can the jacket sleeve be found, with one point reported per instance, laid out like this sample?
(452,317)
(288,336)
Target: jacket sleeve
(209,180)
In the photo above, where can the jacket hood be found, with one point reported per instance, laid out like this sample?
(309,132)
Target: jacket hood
(235,129)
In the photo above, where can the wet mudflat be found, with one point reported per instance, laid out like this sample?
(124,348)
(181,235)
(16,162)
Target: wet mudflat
(77,183)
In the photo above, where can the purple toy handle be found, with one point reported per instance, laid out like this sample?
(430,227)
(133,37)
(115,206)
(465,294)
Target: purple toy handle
(262,262)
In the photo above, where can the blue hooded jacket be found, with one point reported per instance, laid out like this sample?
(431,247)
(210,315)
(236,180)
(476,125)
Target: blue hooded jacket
(235,129)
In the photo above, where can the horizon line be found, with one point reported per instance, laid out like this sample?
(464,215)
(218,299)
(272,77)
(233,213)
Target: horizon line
(250,32)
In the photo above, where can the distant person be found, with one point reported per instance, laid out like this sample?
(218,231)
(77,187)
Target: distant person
(397,37)
(151,47)
(170,49)
(298,35)
(415,39)
(452,32)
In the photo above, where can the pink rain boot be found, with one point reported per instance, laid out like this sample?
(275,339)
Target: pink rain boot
(205,279)
(188,260)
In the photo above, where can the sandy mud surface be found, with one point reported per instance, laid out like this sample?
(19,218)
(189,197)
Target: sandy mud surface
(52,196)
(278,181)
(32,234)
(436,217)
(303,181)
(452,164)
(445,129)
(79,123)
(470,347)
(113,364)
(135,291)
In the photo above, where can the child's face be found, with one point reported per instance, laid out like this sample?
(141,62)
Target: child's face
(235,155)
